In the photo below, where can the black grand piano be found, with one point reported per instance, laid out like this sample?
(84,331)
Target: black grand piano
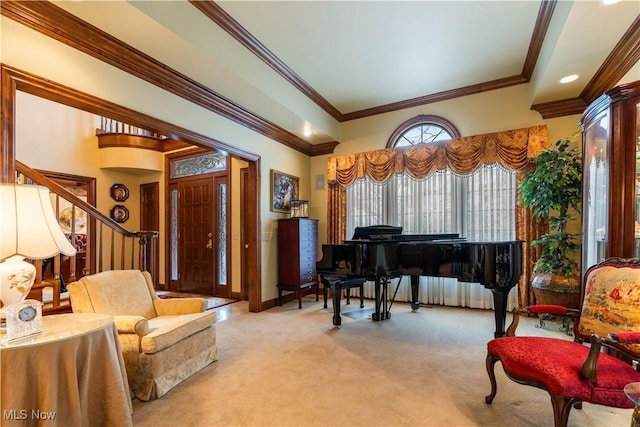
(380,253)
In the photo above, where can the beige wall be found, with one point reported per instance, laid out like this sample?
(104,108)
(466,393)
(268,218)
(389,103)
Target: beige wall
(30,51)
(53,137)
(57,138)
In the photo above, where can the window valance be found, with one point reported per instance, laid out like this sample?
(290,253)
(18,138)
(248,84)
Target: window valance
(511,149)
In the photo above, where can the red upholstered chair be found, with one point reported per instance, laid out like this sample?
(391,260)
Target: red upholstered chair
(599,363)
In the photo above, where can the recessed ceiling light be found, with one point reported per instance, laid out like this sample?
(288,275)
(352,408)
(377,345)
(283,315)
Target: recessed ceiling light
(608,2)
(308,131)
(569,78)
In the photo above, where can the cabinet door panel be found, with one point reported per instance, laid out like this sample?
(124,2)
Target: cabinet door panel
(595,179)
(611,176)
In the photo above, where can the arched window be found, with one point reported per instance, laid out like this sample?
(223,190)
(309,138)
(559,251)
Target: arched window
(422,129)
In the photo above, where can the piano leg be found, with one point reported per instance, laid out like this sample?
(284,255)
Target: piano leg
(325,289)
(415,287)
(500,310)
(336,290)
(382,299)
(376,314)
(385,299)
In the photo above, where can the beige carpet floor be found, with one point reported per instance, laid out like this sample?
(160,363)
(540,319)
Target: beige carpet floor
(289,367)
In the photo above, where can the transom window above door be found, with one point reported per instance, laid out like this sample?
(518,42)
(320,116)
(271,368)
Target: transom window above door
(422,129)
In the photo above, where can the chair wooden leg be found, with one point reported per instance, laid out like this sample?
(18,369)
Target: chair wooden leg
(635,418)
(491,363)
(561,404)
(561,408)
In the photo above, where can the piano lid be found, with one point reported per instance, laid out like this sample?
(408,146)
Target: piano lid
(388,237)
(376,232)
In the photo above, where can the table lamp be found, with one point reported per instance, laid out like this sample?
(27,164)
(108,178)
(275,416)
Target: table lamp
(28,229)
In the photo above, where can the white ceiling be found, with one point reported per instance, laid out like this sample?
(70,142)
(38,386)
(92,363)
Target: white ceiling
(364,54)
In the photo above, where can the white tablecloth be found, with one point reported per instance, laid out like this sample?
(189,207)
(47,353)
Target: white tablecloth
(73,374)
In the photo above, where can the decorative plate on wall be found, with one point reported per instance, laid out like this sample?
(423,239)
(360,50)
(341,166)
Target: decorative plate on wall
(119,213)
(119,192)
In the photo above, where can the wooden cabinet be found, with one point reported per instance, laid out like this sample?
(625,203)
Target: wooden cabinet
(297,256)
(611,176)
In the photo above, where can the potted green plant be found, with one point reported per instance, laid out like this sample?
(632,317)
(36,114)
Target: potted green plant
(553,190)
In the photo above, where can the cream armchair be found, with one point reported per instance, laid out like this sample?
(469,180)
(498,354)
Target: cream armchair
(164,341)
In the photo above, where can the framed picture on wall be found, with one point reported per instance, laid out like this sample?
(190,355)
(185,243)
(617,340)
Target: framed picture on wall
(119,192)
(119,214)
(284,189)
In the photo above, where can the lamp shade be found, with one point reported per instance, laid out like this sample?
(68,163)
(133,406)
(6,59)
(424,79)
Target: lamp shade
(28,226)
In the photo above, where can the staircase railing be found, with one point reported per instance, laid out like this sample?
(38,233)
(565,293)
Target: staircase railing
(105,244)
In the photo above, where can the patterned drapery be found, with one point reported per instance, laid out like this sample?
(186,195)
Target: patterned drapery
(512,149)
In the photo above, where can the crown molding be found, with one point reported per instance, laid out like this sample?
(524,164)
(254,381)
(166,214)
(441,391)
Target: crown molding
(324,148)
(564,107)
(545,13)
(437,97)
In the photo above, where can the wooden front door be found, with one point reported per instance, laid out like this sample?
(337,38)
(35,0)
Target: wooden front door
(198,239)
(196,225)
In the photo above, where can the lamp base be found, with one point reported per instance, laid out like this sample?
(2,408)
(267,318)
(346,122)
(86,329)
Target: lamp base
(16,279)
(3,322)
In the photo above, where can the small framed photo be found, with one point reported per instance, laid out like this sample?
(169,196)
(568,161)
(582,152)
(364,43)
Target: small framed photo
(284,189)
(119,192)
(119,213)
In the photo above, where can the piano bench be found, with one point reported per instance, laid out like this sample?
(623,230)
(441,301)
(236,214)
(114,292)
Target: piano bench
(337,284)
